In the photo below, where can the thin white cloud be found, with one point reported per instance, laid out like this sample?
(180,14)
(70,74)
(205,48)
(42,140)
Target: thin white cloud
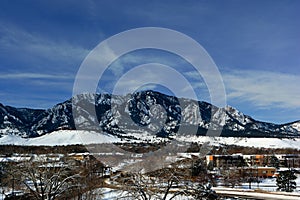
(33,76)
(263,88)
(19,41)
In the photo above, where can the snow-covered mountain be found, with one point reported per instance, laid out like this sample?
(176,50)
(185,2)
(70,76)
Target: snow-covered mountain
(17,121)
(142,112)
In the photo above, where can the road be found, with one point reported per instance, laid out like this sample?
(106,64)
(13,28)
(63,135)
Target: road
(255,194)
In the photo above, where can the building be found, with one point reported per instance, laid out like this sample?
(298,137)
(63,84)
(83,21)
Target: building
(225,161)
(258,172)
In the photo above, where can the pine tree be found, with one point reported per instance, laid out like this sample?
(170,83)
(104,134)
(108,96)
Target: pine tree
(274,162)
(286,181)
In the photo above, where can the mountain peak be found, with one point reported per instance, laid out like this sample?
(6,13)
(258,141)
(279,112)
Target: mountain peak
(146,111)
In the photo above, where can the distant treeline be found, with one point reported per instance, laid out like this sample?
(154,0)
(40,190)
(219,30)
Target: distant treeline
(233,149)
(142,148)
(11,149)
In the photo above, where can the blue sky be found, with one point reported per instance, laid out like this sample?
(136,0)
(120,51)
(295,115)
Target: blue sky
(255,45)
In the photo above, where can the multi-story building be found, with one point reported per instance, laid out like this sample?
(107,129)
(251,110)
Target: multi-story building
(225,161)
(259,160)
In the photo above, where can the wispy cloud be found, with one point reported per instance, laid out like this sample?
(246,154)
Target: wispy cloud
(33,76)
(18,42)
(263,88)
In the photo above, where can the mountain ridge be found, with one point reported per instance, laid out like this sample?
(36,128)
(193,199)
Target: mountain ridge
(145,111)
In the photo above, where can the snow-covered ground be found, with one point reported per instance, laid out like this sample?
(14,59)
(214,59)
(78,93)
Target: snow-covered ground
(112,194)
(248,142)
(257,194)
(268,184)
(65,137)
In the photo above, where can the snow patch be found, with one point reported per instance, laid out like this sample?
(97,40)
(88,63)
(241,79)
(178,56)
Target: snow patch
(62,137)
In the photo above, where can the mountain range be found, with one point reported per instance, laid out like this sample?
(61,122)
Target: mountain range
(148,112)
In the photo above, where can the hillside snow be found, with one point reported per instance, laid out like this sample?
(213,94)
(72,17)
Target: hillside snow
(68,137)
(62,137)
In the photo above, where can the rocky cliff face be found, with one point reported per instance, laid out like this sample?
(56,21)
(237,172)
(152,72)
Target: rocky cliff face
(146,111)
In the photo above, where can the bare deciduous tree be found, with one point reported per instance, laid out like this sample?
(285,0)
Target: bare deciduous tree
(232,177)
(52,180)
(164,184)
